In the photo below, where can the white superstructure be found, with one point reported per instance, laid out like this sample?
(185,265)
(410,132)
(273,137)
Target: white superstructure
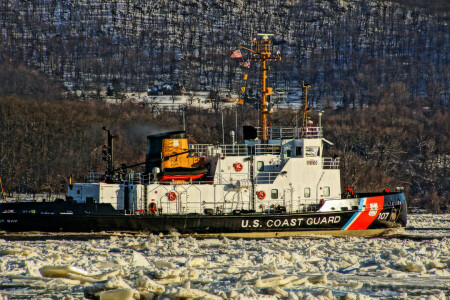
(287,173)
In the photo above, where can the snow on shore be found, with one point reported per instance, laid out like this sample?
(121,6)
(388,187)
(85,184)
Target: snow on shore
(147,267)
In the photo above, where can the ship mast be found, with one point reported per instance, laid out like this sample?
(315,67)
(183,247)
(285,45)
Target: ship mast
(306,109)
(262,52)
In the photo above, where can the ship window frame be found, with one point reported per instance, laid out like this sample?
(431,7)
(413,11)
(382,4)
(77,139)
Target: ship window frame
(313,151)
(298,151)
(326,191)
(307,192)
(288,151)
(260,165)
(274,194)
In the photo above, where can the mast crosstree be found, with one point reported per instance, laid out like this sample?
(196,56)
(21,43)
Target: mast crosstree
(262,52)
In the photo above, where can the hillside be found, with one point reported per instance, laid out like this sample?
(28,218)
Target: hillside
(348,48)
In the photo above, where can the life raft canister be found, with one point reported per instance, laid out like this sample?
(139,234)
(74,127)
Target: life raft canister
(238,167)
(172,196)
(261,195)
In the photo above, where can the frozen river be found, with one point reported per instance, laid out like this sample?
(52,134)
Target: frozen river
(412,265)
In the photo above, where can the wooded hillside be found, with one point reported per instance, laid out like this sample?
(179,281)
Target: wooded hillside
(347,48)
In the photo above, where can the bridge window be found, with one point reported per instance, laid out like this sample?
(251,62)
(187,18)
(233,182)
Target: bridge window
(274,194)
(260,166)
(307,192)
(298,151)
(312,151)
(326,191)
(288,152)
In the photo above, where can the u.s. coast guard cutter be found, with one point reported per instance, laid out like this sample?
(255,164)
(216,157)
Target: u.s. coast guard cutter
(276,184)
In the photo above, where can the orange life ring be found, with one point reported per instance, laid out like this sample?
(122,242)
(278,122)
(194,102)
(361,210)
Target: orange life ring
(172,196)
(238,167)
(261,195)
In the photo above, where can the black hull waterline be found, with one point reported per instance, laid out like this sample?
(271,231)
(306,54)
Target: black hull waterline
(69,217)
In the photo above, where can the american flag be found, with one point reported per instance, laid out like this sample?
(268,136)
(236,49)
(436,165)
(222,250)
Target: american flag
(236,54)
(245,64)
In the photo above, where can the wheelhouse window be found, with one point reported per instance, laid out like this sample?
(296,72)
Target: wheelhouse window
(260,166)
(298,151)
(274,194)
(288,152)
(326,191)
(307,192)
(312,151)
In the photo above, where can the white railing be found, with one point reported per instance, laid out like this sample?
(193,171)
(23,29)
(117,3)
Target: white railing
(233,150)
(215,150)
(277,133)
(96,177)
(330,163)
(266,177)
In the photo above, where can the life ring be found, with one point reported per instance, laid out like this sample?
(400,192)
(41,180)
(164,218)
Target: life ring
(261,195)
(238,167)
(172,196)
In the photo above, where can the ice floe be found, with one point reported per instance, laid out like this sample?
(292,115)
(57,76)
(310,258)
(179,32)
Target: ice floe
(410,266)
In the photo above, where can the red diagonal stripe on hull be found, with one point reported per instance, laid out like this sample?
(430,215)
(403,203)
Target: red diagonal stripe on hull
(368,216)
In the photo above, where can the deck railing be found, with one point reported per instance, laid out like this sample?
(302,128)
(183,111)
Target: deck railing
(279,133)
(330,163)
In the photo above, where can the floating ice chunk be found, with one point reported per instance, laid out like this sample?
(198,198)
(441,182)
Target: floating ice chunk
(267,281)
(299,281)
(410,266)
(184,293)
(272,267)
(349,259)
(434,264)
(116,283)
(164,264)
(142,246)
(196,262)
(232,270)
(81,278)
(400,252)
(61,271)
(275,291)
(17,251)
(146,284)
(349,296)
(322,278)
(108,275)
(118,294)
(354,285)
(326,294)
(140,260)
(232,294)
(292,296)
(94,290)
(168,280)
